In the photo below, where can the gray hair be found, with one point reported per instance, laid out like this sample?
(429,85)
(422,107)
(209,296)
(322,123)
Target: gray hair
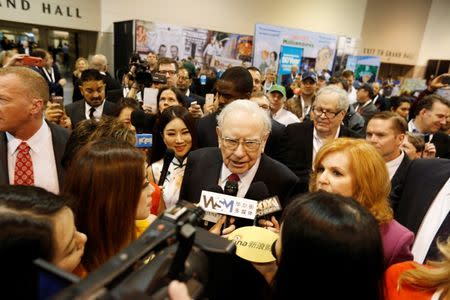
(98,62)
(343,102)
(248,106)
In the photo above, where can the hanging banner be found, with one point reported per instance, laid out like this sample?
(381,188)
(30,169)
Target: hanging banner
(290,56)
(318,48)
(205,47)
(365,67)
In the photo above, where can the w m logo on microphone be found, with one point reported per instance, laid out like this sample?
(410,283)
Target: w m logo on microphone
(228,205)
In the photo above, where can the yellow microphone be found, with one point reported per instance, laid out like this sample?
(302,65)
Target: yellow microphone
(254,243)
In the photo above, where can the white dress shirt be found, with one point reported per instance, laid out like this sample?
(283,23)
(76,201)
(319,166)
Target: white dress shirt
(42,155)
(245,179)
(352,95)
(98,110)
(318,141)
(436,214)
(393,165)
(285,117)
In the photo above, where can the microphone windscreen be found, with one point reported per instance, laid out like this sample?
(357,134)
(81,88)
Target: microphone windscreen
(257,191)
(141,120)
(214,188)
(231,188)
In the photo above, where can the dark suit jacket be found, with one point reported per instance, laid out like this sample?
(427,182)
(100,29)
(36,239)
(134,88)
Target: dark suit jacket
(194,97)
(54,87)
(204,166)
(76,111)
(442,143)
(424,179)
(397,181)
(381,103)
(207,136)
(59,139)
(297,148)
(203,170)
(367,112)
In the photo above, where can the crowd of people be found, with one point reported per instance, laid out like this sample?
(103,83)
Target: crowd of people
(363,179)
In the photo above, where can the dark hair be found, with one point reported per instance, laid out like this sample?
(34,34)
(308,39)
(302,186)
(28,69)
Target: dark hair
(39,52)
(180,97)
(253,68)
(26,234)
(348,73)
(125,102)
(105,179)
(335,243)
(427,103)
(91,75)
(396,101)
(341,80)
(241,79)
(88,130)
(169,114)
(275,54)
(166,61)
(398,123)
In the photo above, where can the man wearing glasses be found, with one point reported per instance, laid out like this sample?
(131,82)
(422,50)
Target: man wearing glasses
(301,141)
(169,68)
(243,129)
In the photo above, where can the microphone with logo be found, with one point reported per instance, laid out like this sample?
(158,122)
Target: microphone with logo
(231,188)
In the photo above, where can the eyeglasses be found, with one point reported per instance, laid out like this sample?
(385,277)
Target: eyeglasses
(170,72)
(249,145)
(329,114)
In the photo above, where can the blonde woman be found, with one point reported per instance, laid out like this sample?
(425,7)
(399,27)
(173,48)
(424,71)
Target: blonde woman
(410,280)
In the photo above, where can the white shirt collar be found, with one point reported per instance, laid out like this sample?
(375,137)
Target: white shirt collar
(393,165)
(318,141)
(35,142)
(245,179)
(98,110)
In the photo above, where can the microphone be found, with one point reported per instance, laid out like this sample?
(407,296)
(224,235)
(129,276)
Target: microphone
(143,121)
(168,157)
(210,216)
(231,188)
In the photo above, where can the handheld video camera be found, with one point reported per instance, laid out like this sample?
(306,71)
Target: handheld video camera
(171,248)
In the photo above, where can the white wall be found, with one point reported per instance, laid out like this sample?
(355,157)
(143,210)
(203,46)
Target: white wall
(436,39)
(344,17)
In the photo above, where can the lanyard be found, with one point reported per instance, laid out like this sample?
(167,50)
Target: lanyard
(52,74)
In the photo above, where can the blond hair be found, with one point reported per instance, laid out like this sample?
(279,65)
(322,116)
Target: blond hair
(434,275)
(371,184)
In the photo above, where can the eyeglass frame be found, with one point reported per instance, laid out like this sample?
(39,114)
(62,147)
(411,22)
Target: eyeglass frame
(244,143)
(325,112)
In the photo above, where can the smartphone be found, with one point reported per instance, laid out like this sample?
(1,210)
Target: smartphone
(203,79)
(57,99)
(32,61)
(209,99)
(445,80)
(150,98)
(193,103)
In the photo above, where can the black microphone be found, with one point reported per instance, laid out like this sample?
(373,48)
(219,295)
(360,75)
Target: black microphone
(143,121)
(231,189)
(168,157)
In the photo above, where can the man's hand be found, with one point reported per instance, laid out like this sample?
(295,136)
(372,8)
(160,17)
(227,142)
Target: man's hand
(62,82)
(53,112)
(16,60)
(429,151)
(196,111)
(272,225)
(436,82)
(216,229)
